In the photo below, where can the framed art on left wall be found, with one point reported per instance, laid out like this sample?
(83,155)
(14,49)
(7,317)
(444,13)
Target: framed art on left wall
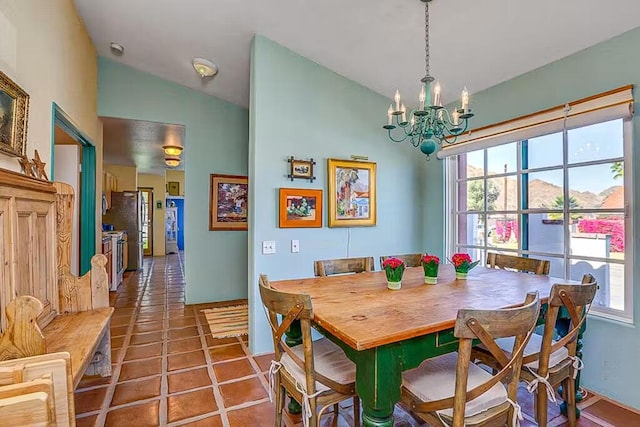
(228,201)
(14,111)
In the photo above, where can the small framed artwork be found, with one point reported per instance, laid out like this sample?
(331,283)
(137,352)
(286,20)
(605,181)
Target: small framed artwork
(302,169)
(228,200)
(300,208)
(173,188)
(14,109)
(352,193)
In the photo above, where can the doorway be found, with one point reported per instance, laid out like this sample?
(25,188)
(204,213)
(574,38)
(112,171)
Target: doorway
(146,207)
(86,194)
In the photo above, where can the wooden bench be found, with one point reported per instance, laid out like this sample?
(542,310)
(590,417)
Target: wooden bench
(50,310)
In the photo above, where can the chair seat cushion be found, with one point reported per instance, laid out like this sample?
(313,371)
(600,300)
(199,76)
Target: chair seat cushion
(328,359)
(533,347)
(435,379)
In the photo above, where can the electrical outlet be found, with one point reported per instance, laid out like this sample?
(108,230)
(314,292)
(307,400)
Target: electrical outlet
(295,246)
(268,247)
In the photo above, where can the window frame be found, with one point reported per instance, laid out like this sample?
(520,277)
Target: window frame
(452,182)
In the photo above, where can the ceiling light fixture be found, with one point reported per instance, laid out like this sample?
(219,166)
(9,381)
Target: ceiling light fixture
(172,150)
(430,123)
(116,49)
(172,162)
(204,68)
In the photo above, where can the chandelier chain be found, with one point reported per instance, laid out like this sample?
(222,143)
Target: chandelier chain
(426,38)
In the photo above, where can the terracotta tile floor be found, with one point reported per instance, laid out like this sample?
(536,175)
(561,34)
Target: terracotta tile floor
(168,369)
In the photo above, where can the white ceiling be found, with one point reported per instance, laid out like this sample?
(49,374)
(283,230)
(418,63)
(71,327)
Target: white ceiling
(139,143)
(378,43)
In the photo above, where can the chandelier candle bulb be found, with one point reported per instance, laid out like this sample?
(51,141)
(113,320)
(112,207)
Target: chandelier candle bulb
(436,94)
(404,113)
(396,98)
(390,115)
(465,100)
(456,117)
(422,97)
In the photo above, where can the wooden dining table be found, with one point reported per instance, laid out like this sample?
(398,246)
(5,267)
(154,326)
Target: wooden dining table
(385,332)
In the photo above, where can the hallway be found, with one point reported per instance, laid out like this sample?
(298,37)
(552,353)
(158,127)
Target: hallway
(169,370)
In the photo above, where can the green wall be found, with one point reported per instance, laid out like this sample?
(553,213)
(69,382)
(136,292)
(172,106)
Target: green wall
(299,108)
(216,142)
(611,348)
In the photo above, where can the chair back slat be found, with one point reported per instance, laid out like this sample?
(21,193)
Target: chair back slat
(574,297)
(499,323)
(522,264)
(329,267)
(410,260)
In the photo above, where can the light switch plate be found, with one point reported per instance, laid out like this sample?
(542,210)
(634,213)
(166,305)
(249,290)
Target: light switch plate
(268,247)
(295,246)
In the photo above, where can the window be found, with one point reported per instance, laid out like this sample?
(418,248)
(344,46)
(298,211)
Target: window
(561,197)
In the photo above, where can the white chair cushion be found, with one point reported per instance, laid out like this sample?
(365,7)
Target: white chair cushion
(533,347)
(328,359)
(435,379)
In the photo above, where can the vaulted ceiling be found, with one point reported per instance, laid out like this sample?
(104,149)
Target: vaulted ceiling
(377,43)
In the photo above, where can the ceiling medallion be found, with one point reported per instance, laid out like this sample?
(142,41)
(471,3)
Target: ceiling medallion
(430,123)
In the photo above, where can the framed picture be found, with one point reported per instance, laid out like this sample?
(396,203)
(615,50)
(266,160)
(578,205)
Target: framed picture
(14,108)
(300,208)
(173,188)
(352,193)
(228,202)
(301,169)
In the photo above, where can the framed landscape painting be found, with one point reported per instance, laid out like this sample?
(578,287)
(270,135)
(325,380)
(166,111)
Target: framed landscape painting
(352,193)
(14,107)
(300,208)
(228,200)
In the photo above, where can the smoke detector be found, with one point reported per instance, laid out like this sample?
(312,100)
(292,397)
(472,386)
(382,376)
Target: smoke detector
(204,67)
(116,49)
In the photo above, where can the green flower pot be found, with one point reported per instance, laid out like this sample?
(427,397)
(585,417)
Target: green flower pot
(460,275)
(430,280)
(394,285)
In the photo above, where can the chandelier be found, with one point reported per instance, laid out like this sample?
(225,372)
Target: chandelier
(430,123)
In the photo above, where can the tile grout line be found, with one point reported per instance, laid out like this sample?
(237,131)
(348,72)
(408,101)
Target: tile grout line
(216,388)
(115,372)
(163,412)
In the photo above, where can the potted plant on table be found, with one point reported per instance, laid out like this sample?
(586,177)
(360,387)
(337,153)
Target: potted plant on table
(430,264)
(394,267)
(462,263)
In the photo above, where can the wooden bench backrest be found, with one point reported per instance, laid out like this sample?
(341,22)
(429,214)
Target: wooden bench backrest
(522,264)
(329,267)
(410,260)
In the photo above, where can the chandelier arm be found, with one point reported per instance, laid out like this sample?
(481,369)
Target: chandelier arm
(396,140)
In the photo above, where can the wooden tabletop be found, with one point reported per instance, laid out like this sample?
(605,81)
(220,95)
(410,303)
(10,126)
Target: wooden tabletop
(361,311)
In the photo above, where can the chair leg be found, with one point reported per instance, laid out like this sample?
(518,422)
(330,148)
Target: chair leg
(541,407)
(356,411)
(280,398)
(314,421)
(570,400)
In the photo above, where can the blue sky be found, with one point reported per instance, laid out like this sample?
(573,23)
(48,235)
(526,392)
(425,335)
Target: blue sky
(589,143)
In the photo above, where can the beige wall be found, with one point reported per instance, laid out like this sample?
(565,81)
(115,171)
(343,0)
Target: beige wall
(157,183)
(45,49)
(175,176)
(127,176)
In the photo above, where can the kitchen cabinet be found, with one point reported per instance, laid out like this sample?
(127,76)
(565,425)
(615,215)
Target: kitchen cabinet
(109,184)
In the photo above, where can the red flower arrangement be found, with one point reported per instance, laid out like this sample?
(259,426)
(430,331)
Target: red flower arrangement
(430,265)
(463,263)
(394,267)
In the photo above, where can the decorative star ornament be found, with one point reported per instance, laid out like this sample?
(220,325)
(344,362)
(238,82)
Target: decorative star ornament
(26,165)
(39,167)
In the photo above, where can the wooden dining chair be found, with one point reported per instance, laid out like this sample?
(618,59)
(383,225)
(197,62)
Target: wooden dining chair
(315,373)
(547,363)
(410,260)
(329,267)
(518,263)
(450,390)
